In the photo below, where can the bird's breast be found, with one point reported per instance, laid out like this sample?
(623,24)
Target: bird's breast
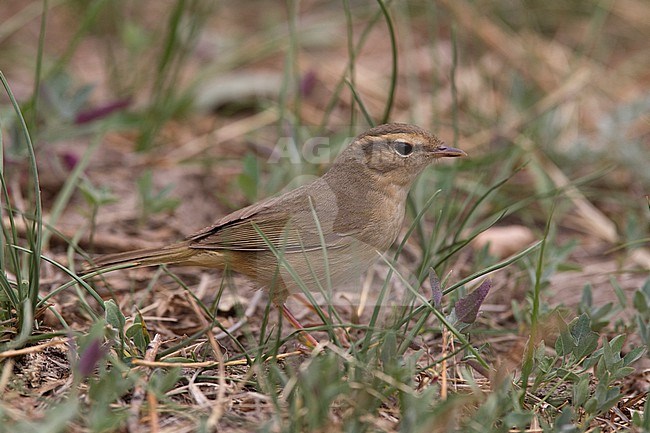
(384,215)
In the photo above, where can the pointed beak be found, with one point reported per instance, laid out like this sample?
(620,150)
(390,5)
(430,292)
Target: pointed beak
(448,152)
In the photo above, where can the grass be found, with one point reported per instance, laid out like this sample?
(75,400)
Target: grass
(554,120)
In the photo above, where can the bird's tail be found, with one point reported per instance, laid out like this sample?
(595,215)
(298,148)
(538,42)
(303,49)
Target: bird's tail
(179,253)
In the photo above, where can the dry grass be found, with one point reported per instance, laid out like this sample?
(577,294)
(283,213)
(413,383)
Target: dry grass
(560,90)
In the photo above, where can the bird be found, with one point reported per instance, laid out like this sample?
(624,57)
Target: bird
(322,235)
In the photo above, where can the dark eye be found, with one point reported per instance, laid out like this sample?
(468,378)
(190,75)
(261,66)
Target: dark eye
(402,148)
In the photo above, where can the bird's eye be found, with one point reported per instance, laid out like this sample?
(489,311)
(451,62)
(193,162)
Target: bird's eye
(402,148)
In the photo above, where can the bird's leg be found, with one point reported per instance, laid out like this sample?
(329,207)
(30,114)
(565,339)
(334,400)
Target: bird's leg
(342,333)
(301,298)
(306,338)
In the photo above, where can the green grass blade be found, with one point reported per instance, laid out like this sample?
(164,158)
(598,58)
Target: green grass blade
(35,232)
(63,198)
(393,73)
(362,106)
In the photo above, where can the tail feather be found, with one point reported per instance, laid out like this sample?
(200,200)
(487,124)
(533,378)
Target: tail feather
(173,254)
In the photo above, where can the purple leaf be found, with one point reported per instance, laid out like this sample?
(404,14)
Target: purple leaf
(467,307)
(101,111)
(436,290)
(90,357)
(70,160)
(308,82)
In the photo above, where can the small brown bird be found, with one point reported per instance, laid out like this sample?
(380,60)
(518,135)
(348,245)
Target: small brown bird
(321,235)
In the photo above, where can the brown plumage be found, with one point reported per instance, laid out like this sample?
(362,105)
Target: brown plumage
(339,223)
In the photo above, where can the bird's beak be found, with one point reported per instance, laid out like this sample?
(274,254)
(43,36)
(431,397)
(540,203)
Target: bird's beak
(449,152)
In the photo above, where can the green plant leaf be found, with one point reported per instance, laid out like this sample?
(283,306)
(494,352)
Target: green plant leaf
(585,340)
(114,316)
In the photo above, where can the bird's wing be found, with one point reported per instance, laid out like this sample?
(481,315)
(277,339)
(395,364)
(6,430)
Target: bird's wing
(287,223)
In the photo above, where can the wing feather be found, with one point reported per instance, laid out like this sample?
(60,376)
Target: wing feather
(286,221)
